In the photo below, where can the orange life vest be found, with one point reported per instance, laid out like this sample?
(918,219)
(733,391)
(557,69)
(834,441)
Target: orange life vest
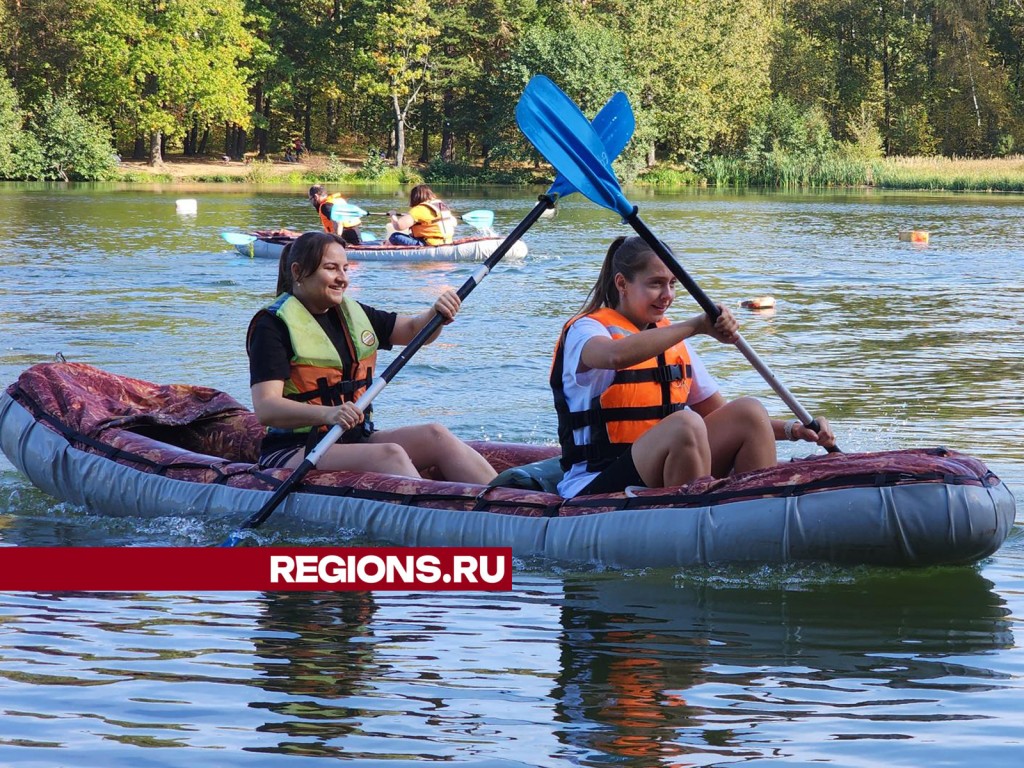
(334,227)
(440,230)
(637,399)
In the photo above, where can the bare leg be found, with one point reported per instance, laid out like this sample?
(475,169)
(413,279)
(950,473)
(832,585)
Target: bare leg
(673,452)
(388,458)
(433,445)
(741,437)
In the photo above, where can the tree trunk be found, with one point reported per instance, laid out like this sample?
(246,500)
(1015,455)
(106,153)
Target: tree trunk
(399,132)
(651,158)
(259,107)
(188,144)
(886,82)
(204,142)
(425,133)
(264,132)
(155,140)
(333,119)
(139,153)
(307,121)
(447,135)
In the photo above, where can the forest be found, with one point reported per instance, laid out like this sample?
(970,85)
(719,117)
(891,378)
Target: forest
(733,91)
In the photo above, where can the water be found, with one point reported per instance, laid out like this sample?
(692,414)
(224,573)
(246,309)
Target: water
(900,345)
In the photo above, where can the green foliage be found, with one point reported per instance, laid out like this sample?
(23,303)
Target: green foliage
(10,128)
(440,172)
(912,132)
(738,91)
(258,171)
(75,146)
(160,67)
(867,142)
(664,176)
(374,166)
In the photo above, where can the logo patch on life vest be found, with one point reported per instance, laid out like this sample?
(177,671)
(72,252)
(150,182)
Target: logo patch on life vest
(368,338)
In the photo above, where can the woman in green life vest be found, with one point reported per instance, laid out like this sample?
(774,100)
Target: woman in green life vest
(312,352)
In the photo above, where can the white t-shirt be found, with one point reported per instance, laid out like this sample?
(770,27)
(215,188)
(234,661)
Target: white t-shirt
(581,387)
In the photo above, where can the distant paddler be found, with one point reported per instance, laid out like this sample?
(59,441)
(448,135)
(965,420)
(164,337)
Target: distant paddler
(323,203)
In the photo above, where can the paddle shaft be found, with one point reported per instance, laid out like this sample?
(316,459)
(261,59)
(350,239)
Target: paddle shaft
(334,434)
(712,311)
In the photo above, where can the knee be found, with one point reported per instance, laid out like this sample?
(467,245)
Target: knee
(436,433)
(752,411)
(687,427)
(391,455)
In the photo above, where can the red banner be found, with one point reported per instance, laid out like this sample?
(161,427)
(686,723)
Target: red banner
(152,569)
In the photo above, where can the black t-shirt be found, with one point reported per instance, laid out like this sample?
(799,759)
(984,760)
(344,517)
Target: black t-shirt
(270,346)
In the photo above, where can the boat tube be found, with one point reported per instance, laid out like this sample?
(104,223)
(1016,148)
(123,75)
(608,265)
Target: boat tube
(121,446)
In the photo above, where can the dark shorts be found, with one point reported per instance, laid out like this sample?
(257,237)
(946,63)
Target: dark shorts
(615,478)
(279,458)
(277,450)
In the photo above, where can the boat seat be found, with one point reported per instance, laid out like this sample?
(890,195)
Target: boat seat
(541,475)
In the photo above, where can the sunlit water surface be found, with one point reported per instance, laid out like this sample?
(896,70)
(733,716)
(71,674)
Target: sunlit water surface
(900,345)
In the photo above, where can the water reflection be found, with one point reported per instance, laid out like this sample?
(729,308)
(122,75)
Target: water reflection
(315,648)
(656,671)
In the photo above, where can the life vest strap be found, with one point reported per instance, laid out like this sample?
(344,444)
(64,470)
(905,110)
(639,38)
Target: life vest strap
(332,394)
(596,417)
(660,374)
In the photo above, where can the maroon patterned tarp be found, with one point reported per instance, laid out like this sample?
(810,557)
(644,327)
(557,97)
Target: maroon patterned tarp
(201,435)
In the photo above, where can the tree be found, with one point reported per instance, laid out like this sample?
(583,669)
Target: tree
(581,55)
(152,67)
(700,73)
(397,61)
(75,147)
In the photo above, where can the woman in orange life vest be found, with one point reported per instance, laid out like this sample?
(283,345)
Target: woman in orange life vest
(429,220)
(311,354)
(323,203)
(635,405)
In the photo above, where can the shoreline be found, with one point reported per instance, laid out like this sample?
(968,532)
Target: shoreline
(920,174)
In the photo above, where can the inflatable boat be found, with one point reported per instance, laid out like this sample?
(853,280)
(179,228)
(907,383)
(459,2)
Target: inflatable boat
(121,446)
(269,244)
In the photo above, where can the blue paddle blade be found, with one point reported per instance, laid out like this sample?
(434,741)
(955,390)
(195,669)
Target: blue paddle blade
(237,238)
(615,124)
(556,127)
(481,219)
(346,211)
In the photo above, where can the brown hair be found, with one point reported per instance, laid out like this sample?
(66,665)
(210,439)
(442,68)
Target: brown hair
(307,251)
(422,193)
(628,255)
(318,190)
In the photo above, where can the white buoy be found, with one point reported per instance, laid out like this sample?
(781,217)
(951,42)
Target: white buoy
(186,206)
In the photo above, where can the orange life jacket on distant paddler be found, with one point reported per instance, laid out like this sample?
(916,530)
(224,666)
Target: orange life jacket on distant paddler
(334,227)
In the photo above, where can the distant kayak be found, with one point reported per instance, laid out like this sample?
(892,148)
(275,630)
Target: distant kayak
(268,245)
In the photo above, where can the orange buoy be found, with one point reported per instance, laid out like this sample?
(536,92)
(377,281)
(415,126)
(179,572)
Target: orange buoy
(914,236)
(759,302)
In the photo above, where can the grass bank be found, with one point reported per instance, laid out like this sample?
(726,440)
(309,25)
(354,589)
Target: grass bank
(834,170)
(909,173)
(314,168)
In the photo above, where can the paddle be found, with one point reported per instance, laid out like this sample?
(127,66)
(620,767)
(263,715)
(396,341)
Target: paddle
(481,219)
(615,120)
(238,238)
(556,127)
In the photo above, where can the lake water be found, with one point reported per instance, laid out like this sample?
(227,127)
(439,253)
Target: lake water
(900,345)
